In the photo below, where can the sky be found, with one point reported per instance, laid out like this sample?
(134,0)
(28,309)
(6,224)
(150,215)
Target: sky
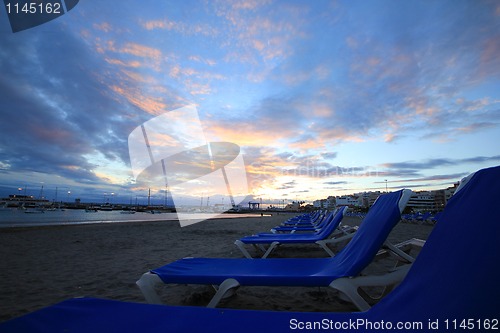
(322,97)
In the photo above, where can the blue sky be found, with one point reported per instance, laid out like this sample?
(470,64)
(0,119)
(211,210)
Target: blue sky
(323,97)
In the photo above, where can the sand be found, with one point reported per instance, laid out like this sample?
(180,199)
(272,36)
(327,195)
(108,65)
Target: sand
(41,266)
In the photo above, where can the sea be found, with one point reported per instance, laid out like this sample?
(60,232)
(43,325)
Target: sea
(11,217)
(19,218)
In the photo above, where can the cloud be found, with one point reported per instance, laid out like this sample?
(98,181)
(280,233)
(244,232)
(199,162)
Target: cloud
(329,155)
(180,27)
(53,119)
(287,186)
(453,177)
(290,83)
(336,183)
(439,162)
(104,26)
(396,83)
(141,51)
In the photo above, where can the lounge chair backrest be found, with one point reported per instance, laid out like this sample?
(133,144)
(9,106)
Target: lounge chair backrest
(334,219)
(372,233)
(456,275)
(324,219)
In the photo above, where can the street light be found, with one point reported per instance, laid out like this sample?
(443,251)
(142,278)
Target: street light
(386,185)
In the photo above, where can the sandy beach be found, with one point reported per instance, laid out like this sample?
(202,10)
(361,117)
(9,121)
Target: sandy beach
(41,266)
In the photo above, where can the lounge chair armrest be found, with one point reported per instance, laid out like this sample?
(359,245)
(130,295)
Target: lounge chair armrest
(337,239)
(147,284)
(225,289)
(324,242)
(396,249)
(349,286)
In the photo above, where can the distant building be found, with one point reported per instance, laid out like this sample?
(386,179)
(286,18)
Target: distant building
(15,200)
(294,206)
(369,198)
(328,203)
(441,197)
(350,201)
(320,204)
(422,201)
(419,202)
(331,203)
(431,201)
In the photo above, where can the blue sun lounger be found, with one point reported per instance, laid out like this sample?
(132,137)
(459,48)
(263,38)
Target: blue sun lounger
(306,218)
(274,240)
(452,285)
(322,221)
(230,273)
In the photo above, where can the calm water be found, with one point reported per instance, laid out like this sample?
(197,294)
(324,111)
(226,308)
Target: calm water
(18,218)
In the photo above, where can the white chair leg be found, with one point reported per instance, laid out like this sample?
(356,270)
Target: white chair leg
(241,246)
(326,248)
(323,243)
(261,247)
(270,249)
(147,284)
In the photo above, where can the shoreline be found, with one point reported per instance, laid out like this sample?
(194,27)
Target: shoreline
(45,265)
(29,224)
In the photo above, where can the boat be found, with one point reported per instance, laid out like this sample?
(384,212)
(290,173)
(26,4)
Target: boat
(4,207)
(91,209)
(34,211)
(106,207)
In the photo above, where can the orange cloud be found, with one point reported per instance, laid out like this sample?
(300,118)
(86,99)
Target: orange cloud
(337,134)
(305,145)
(198,88)
(177,71)
(119,62)
(152,105)
(489,60)
(180,27)
(142,51)
(159,24)
(209,62)
(389,137)
(105,26)
(245,134)
(249,4)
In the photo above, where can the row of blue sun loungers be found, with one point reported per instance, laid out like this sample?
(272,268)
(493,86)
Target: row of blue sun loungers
(426,218)
(454,280)
(230,273)
(321,229)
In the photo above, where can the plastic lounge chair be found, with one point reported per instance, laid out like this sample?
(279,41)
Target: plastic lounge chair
(310,221)
(230,273)
(451,285)
(309,227)
(274,240)
(304,219)
(306,227)
(314,225)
